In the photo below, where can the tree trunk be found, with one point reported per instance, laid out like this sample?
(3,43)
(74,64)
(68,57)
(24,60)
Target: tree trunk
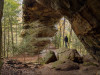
(8,42)
(4,39)
(64,32)
(16,34)
(1,13)
(60,36)
(70,37)
(12,39)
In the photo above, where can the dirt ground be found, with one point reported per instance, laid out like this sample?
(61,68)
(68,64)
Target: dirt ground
(43,70)
(33,69)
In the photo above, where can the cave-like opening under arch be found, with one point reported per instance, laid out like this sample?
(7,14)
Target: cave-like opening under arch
(83,15)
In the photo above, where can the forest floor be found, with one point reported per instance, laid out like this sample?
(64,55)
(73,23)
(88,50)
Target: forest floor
(25,66)
(30,69)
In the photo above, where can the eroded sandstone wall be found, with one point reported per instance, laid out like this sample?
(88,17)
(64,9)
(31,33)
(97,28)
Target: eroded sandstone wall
(86,26)
(84,16)
(39,24)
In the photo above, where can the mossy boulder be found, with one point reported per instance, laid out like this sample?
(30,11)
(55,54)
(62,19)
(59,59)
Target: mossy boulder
(55,64)
(90,64)
(65,66)
(50,57)
(71,54)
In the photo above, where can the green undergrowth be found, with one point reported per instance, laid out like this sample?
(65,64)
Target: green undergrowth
(1,63)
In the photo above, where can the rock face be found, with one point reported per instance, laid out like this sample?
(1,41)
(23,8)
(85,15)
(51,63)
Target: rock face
(86,24)
(39,24)
(84,16)
(88,58)
(50,57)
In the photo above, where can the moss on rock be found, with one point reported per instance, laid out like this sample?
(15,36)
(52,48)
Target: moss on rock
(41,61)
(71,54)
(50,57)
(90,64)
(65,65)
(55,64)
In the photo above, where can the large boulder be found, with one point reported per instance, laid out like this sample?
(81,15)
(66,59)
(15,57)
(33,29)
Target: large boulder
(50,57)
(89,60)
(65,66)
(71,54)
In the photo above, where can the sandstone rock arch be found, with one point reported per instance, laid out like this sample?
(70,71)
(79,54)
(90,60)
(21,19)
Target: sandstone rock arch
(84,16)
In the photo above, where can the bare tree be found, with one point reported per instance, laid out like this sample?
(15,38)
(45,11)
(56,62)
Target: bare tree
(16,33)
(4,39)
(70,37)
(8,43)
(63,31)
(60,35)
(12,39)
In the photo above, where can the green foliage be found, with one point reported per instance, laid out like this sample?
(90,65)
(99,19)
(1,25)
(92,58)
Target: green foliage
(1,63)
(56,41)
(11,10)
(11,7)
(76,44)
(26,46)
(10,21)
